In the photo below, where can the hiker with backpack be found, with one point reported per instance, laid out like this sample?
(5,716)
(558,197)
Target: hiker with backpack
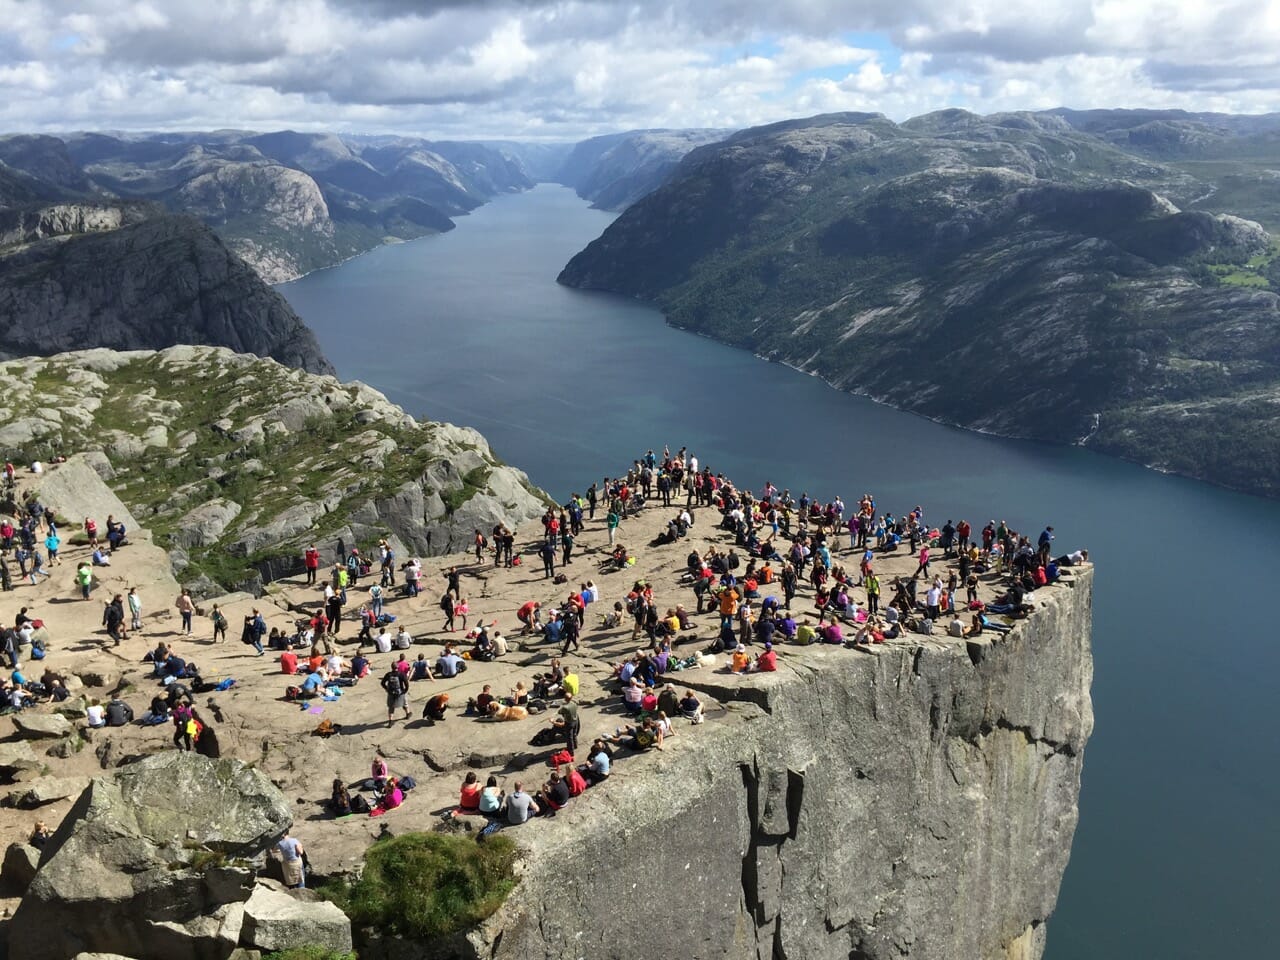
(255,628)
(397,686)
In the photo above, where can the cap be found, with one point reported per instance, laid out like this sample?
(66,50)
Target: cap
(768,645)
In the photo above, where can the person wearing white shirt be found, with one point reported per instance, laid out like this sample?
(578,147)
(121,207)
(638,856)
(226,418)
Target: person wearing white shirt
(382,642)
(403,640)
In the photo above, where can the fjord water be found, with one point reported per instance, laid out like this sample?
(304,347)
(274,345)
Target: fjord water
(1178,844)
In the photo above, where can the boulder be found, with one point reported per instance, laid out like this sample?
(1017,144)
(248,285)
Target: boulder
(41,726)
(151,862)
(75,490)
(21,860)
(101,465)
(204,524)
(44,790)
(17,756)
(274,919)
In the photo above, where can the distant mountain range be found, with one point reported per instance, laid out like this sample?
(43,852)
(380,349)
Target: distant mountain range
(1100,277)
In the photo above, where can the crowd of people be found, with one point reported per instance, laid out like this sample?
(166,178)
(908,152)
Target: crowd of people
(783,573)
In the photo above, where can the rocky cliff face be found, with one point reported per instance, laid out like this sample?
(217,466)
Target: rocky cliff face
(237,463)
(101,275)
(616,170)
(914,803)
(1009,273)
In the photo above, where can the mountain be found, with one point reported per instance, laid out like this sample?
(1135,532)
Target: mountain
(1009,273)
(286,202)
(615,171)
(130,276)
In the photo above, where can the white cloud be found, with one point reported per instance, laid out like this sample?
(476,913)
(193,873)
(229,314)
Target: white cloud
(571,68)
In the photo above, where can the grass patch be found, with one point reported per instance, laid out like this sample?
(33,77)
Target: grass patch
(308,953)
(428,884)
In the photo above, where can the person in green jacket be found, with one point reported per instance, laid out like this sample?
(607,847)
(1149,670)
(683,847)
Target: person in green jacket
(84,577)
(612,521)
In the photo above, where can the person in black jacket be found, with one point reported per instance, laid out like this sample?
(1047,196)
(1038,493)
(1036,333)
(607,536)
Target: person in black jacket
(397,687)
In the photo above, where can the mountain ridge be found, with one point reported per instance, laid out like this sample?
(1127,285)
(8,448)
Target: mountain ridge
(1003,273)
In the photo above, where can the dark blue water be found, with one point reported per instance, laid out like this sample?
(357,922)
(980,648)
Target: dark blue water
(1177,849)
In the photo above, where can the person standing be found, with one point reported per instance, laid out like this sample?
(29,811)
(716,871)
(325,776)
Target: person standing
(255,628)
(397,688)
(291,854)
(447,606)
(51,544)
(547,551)
(311,559)
(219,624)
(84,578)
(186,608)
(872,584)
(135,609)
(611,521)
(570,723)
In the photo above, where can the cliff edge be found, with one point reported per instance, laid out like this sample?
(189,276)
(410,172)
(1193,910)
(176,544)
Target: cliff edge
(917,802)
(126,277)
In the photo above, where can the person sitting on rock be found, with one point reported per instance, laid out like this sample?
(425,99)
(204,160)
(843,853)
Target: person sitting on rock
(392,797)
(449,664)
(339,799)
(554,794)
(492,797)
(639,738)
(599,763)
(40,835)
(382,642)
(101,558)
(469,795)
(403,640)
(421,669)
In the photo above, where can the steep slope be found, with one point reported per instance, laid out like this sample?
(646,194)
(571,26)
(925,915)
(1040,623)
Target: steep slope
(616,170)
(990,272)
(236,463)
(124,277)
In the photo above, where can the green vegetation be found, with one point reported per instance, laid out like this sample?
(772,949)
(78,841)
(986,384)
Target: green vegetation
(276,442)
(428,884)
(308,953)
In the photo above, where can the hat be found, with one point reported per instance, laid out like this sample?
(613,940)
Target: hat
(768,645)
(741,649)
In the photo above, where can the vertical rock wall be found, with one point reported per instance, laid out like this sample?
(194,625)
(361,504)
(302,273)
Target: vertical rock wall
(917,802)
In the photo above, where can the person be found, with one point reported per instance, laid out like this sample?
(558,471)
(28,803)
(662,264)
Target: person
(185,607)
(492,797)
(691,707)
(97,714)
(639,738)
(955,628)
(382,642)
(554,794)
(255,628)
(449,664)
(219,624)
(392,797)
(599,763)
(40,835)
(135,609)
(403,639)
(434,709)
(84,579)
(767,662)
(521,806)
(119,713)
(569,723)
(340,799)
(469,795)
(311,560)
(421,669)
(291,853)
(100,557)
(378,772)
(529,615)
(447,607)
(397,688)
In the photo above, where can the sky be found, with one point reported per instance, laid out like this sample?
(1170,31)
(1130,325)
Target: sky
(567,69)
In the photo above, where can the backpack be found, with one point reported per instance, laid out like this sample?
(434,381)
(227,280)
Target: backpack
(407,784)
